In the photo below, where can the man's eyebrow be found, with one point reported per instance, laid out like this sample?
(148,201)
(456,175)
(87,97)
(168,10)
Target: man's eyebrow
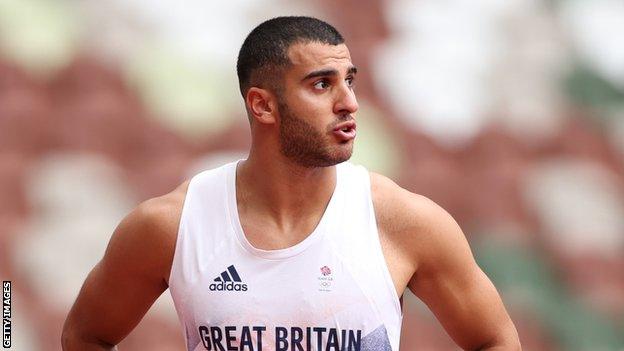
(328,72)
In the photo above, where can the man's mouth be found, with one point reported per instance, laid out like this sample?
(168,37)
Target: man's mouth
(345,131)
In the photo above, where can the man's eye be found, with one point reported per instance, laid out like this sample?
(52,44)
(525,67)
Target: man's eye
(350,81)
(321,84)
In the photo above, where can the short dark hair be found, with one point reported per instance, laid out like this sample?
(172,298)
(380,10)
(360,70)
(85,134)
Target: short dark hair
(265,50)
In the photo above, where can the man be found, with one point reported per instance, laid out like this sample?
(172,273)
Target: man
(292,248)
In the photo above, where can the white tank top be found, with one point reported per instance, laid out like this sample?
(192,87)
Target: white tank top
(331,291)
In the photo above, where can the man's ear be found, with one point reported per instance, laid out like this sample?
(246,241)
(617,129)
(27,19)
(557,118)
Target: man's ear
(261,105)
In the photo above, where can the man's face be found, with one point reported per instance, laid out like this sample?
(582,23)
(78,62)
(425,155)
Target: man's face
(317,105)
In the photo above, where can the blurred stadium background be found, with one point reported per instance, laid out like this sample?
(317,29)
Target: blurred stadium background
(508,113)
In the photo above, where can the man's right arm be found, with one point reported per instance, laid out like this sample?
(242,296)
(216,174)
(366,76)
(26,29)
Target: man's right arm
(132,274)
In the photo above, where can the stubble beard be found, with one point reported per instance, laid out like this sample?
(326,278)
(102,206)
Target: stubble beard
(306,146)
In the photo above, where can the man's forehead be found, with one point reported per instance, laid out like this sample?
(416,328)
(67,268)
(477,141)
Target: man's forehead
(316,54)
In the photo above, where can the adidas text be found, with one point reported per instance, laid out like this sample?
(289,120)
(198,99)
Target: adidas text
(228,286)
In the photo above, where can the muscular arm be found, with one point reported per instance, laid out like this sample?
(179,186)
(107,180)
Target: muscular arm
(436,264)
(129,278)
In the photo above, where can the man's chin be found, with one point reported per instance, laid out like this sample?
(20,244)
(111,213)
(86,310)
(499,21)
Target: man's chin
(330,157)
(345,157)
(324,161)
(338,158)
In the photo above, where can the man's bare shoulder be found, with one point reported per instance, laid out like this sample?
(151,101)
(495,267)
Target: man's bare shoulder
(415,225)
(163,212)
(145,239)
(401,210)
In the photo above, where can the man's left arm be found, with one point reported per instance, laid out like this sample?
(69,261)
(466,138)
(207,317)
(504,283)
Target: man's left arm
(451,284)
(444,274)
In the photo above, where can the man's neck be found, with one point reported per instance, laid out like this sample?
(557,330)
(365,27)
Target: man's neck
(283,190)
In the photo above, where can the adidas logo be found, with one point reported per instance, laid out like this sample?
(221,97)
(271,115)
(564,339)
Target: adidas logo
(229,280)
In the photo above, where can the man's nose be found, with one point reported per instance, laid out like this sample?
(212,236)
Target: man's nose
(346,103)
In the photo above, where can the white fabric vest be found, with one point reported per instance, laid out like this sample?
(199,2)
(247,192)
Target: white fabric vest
(331,291)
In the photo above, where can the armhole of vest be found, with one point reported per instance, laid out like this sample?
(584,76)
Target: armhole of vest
(176,251)
(378,248)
